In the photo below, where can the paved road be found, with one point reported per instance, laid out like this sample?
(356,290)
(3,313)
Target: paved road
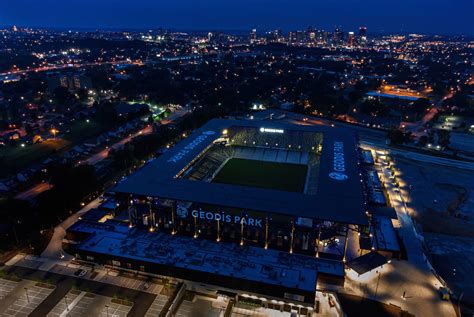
(63,66)
(142,300)
(414,277)
(34,191)
(54,250)
(94,159)
(421,157)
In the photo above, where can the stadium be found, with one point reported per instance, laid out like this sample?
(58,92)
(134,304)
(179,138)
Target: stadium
(239,181)
(259,206)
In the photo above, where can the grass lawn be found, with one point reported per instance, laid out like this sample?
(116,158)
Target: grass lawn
(280,176)
(15,158)
(82,130)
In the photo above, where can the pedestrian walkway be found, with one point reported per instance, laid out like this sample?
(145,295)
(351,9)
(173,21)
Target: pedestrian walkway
(410,285)
(157,306)
(199,305)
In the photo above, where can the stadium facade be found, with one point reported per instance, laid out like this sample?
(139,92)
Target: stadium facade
(258,206)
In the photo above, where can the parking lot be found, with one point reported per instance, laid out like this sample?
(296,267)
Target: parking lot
(87,304)
(23,299)
(157,305)
(110,277)
(241,310)
(200,306)
(6,287)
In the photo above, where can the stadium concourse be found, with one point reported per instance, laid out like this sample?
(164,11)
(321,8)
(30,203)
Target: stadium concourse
(264,207)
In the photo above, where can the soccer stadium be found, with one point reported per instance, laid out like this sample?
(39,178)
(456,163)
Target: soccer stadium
(253,205)
(262,158)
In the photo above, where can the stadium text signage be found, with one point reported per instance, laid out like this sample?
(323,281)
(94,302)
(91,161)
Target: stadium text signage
(270,130)
(339,163)
(178,156)
(248,221)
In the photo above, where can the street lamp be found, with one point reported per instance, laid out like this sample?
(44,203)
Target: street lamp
(377,287)
(107,310)
(27,298)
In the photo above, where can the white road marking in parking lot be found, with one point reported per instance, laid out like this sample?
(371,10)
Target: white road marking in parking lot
(28,301)
(6,287)
(157,306)
(72,304)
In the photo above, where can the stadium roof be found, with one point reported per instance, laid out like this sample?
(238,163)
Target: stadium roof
(338,198)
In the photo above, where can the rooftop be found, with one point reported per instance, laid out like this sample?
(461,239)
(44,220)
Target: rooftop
(338,197)
(227,259)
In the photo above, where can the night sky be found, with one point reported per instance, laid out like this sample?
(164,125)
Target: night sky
(424,16)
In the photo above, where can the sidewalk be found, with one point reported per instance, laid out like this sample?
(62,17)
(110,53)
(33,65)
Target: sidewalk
(413,278)
(54,250)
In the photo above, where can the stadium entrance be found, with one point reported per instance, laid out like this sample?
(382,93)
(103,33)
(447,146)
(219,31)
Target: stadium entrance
(245,227)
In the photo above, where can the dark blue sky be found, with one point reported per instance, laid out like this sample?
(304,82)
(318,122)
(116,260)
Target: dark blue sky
(428,16)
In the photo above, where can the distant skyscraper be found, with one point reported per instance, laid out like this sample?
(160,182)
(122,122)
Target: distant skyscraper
(274,36)
(14,28)
(363,35)
(253,36)
(338,36)
(292,37)
(311,34)
(321,37)
(300,36)
(351,39)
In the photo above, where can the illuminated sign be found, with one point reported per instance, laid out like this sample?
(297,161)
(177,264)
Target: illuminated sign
(270,130)
(339,163)
(248,221)
(178,156)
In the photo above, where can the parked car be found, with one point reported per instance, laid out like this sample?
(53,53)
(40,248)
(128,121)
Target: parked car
(80,273)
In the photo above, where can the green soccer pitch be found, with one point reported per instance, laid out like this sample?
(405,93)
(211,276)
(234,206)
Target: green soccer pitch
(270,175)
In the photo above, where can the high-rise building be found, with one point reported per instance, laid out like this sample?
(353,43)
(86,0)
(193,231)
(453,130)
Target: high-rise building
(310,34)
(338,36)
(274,36)
(351,39)
(321,37)
(253,36)
(292,37)
(300,36)
(363,35)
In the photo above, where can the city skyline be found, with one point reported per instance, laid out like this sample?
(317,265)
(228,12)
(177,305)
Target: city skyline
(434,17)
(236,158)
